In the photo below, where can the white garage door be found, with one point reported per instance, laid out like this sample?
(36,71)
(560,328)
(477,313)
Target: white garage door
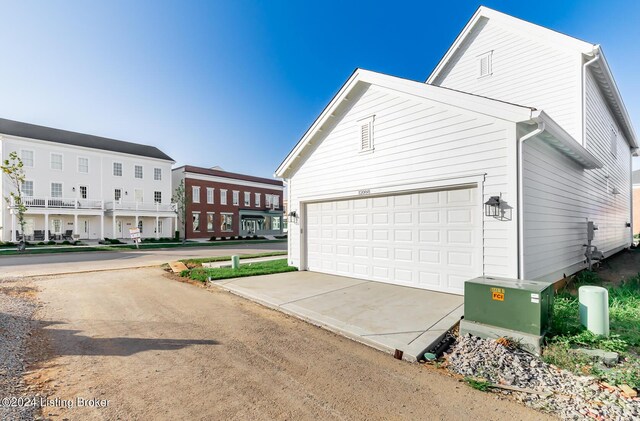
(429,240)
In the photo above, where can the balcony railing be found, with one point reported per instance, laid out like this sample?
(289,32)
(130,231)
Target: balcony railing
(139,206)
(60,203)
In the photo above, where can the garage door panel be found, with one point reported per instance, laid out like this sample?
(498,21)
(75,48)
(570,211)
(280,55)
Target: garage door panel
(427,240)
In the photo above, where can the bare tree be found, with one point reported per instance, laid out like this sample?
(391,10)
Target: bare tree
(13,169)
(181,200)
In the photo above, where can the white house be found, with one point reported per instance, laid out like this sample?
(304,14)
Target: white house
(391,180)
(84,185)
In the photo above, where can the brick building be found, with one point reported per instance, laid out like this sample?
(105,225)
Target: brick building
(225,204)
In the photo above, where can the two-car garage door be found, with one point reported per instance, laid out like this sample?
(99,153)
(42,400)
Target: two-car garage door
(429,240)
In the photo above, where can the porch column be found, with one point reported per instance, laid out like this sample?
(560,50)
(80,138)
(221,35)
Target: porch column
(113,221)
(157,231)
(13,227)
(101,226)
(75,224)
(46,227)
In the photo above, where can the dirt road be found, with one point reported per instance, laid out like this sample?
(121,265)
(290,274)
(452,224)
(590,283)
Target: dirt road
(160,349)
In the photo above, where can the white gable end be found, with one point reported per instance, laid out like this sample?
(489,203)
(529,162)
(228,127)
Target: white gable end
(523,70)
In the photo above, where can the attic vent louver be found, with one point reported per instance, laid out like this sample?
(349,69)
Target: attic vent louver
(366,134)
(485,64)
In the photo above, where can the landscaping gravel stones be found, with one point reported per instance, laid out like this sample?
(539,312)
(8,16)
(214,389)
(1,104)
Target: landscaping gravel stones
(574,397)
(16,310)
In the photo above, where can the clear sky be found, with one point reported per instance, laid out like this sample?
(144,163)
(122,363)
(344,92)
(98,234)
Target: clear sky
(236,83)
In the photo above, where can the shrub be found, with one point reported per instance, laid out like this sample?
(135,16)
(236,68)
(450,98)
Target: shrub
(176,236)
(66,243)
(51,242)
(41,243)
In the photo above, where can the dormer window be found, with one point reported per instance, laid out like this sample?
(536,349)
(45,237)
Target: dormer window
(484,64)
(365,132)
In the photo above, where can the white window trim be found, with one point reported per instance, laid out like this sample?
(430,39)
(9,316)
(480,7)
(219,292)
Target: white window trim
(199,221)
(135,166)
(80,191)
(154,174)
(257,199)
(211,190)
(227,214)
(489,56)
(213,222)
(369,121)
(235,198)
(113,169)
(247,195)
(61,161)
(78,163)
(121,194)
(195,196)
(33,188)
(61,189)
(223,195)
(33,157)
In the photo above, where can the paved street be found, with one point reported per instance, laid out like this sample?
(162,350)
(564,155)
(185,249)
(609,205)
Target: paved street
(49,264)
(161,349)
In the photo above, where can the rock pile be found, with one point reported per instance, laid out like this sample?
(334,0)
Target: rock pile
(574,397)
(15,326)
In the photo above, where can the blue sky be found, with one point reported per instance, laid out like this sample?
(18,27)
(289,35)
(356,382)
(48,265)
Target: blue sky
(236,83)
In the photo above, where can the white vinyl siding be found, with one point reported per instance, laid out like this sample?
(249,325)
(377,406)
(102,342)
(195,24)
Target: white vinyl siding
(416,141)
(560,196)
(525,71)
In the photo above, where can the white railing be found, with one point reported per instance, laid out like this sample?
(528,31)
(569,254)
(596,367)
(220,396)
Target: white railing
(139,206)
(60,203)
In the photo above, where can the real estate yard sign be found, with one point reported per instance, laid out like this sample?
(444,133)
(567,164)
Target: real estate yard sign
(135,235)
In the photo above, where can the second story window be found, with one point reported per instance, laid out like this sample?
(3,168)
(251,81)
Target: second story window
(56,189)
(257,200)
(236,198)
(117,169)
(157,174)
(210,191)
(223,197)
(27,157)
(83,192)
(27,188)
(137,171)
(247,198)
(117,194)
(157,197)
(56,161)
(83,165)
(195,194)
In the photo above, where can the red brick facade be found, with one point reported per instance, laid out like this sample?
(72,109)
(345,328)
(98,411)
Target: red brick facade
(210,214)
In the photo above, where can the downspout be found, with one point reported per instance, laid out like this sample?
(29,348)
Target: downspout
(531,134)
(584,94)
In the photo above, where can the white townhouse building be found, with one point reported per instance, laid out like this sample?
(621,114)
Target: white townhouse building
(83,186)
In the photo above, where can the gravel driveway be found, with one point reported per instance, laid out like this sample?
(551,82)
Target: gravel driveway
(160,349)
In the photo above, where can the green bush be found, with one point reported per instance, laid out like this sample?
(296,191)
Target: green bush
(51,243)
(41,243)
(66,243)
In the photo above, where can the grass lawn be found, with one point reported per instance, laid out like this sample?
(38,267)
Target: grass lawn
(200,261)
(248,269)
(624,325)
(143,246)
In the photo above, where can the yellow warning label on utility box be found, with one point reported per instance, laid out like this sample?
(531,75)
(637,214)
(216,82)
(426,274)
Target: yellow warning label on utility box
(498,296)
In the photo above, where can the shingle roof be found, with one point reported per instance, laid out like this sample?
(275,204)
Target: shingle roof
(32,131)
(227,174)
(635,177)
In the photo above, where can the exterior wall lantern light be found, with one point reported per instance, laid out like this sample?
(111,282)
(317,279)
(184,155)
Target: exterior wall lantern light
(492,206)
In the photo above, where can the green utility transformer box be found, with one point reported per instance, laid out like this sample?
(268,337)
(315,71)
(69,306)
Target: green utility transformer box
(515,308)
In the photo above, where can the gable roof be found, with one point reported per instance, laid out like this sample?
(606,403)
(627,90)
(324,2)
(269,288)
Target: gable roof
(361,79)
(226,174)
(600,68)
(32,131)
